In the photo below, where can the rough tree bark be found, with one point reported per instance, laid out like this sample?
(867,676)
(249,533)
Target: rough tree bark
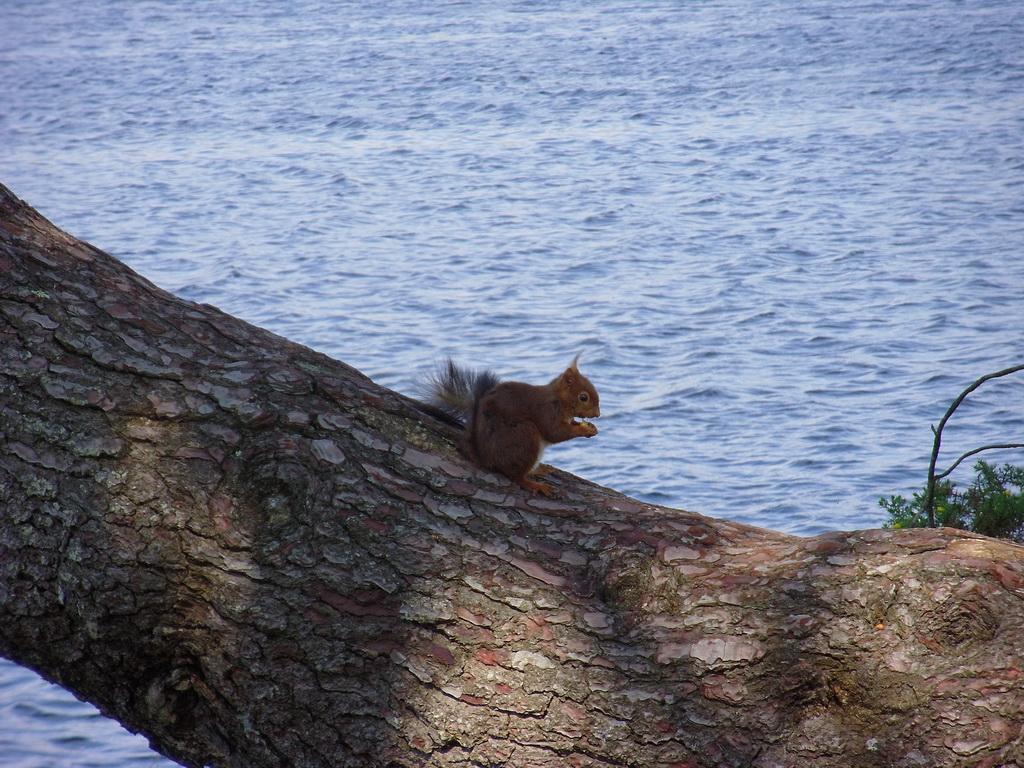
(255,556)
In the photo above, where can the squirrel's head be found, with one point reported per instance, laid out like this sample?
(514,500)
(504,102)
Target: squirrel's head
(577,393)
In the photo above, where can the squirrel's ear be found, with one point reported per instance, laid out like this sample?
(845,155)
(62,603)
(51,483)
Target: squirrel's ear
(573,366)
(569,377)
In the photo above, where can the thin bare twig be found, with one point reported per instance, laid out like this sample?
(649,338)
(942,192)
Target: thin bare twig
(929,499)
(977,450)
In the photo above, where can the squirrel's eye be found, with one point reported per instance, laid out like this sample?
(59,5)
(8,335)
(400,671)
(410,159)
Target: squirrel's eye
(584,397)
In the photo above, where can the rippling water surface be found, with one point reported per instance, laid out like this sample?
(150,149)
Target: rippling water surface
(784,235)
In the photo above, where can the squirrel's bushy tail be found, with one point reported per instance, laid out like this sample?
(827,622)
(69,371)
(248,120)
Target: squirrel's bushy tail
(454,390)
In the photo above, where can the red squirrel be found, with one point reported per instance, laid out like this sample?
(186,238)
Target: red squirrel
(509,424)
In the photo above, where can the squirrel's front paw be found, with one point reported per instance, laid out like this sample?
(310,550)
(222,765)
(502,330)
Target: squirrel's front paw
(587,429)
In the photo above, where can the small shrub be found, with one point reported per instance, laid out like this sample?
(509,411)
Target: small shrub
(992,505)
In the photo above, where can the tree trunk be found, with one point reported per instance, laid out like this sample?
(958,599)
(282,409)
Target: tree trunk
(255,556)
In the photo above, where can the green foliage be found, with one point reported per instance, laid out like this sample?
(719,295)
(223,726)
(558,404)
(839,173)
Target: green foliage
(992,505)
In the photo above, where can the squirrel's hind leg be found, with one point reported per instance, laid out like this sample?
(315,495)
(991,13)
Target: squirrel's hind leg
(514,450)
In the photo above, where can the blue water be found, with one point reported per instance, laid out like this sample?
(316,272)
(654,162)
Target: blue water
(784,235)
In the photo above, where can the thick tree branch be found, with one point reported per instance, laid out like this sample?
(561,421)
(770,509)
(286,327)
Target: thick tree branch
(257,557)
